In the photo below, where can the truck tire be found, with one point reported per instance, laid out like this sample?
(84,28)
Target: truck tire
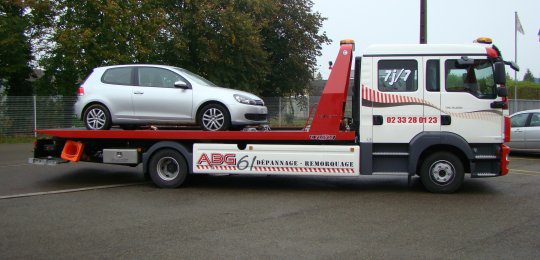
(214,117)
(97,117)
(168,168)
(442,172)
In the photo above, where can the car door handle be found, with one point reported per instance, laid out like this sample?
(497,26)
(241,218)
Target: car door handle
(138,92)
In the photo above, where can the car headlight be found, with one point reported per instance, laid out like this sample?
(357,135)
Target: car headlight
(248,101)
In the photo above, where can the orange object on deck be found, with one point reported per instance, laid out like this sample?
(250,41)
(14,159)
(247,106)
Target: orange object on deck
(72,151)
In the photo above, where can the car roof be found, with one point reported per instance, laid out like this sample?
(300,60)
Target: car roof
(137,65)
(527,111)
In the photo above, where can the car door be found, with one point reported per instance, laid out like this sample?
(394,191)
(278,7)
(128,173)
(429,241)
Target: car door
(156,99)
(517,135)
(532,132)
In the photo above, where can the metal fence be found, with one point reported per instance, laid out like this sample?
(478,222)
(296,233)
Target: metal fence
(20,116)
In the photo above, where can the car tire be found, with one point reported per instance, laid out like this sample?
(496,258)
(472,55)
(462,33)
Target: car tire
(214,117)
(168,168)
(97,117)
(442,172)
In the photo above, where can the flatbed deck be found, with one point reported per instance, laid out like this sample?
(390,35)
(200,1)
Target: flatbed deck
(273,135)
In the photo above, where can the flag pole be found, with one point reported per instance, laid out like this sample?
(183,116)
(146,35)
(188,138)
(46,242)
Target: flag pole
(515,60)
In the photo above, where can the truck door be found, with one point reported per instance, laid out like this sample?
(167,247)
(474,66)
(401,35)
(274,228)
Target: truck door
(432,94)
(397,99)
(467,94)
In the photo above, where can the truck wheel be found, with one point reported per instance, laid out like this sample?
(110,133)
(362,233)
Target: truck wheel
(214,117)
(168,168)
(442,172)
(97,117)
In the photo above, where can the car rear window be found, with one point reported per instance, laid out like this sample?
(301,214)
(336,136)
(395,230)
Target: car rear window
(118,76)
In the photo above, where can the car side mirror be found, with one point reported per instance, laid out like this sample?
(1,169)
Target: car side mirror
(181,84)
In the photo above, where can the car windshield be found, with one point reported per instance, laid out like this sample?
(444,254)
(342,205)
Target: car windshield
(194,77)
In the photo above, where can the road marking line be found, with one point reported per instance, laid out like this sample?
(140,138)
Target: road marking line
(525,172)
(524,158)
(70,190)
(14,165)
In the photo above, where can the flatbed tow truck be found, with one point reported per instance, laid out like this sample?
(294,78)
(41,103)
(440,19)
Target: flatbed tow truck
(412,115)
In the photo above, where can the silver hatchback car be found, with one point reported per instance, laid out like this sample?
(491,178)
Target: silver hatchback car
(132,95)
(525,134)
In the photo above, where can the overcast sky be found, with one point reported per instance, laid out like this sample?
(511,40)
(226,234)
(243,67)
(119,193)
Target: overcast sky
(455,21)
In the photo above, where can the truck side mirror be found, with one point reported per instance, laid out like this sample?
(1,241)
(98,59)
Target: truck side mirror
(499,73)
(512,65)
(502,92)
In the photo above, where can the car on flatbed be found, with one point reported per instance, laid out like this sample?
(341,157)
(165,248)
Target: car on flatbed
(133,95)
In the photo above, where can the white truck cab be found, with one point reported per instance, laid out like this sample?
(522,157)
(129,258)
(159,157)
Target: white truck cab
(431,100)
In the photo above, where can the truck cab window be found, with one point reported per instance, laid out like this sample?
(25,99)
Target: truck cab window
(398,75)
(433,76)
(476,79)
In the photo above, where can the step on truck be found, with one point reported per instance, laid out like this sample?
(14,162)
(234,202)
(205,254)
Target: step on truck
(436,111)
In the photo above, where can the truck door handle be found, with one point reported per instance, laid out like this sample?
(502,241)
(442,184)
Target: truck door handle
(377,120)
(446,120)
(138,92)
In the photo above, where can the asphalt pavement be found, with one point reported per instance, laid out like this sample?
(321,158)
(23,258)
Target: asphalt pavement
(85,210)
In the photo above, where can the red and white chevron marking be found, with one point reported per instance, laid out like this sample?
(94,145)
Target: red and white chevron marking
(302,169)
(385,98)
(216,167)
(380,97)
(278,169)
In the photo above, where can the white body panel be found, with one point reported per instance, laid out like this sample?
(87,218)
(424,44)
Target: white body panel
(316,160)
(398,94)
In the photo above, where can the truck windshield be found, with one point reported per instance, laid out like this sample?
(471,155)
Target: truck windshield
(476,79)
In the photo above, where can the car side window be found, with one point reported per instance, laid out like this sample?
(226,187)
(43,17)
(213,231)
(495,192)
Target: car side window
(519,120)
(398,75)
(157,77)
(535,119)
(118,76)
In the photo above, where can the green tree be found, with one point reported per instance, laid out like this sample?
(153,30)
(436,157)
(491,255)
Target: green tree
(266,47)
(528,76)
(293,40)
(82,35)
(15,49)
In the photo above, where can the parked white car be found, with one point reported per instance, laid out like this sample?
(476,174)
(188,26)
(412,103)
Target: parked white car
(525,131)
(132,95)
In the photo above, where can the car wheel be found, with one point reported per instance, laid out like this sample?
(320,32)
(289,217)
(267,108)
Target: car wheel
(168,168)
(97,117)
(214,117)
(442,172)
